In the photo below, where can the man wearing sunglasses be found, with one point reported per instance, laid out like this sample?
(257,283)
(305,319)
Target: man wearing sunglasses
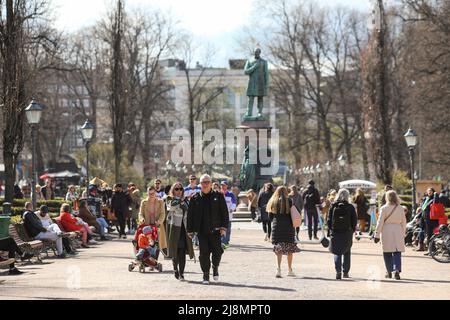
(159,189)
(192,189)
(208,218)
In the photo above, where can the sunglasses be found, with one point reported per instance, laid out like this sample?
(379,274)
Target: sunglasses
(178,189)
(206,182)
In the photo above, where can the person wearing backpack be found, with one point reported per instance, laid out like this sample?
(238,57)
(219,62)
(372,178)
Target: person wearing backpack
(311,198)
(342,221)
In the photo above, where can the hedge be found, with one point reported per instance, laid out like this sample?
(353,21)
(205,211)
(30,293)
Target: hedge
(19,205)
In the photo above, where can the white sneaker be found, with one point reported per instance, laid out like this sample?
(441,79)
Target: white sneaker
(205,282)
(92,242)
(279,274)
(291,274)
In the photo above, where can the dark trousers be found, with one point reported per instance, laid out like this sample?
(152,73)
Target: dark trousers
(122,222)
(210,244)
(253,213)
(312,218)
(347,262)
(393,261)
(10,245)
(430,225)
(267,227)
(179,263)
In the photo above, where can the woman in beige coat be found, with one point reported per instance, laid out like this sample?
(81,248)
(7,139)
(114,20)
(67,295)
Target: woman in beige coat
(153,212)
(392,229)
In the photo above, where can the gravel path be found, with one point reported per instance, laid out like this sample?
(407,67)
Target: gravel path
(247,272)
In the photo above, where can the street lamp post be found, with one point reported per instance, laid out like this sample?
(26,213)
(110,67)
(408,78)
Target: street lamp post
(87,131)
(157,162)
(411,141)
(319,171)
(33,113)
(329,167)
(342,163)
(169,168)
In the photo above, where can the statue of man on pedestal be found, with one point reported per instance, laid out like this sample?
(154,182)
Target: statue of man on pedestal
(258,71)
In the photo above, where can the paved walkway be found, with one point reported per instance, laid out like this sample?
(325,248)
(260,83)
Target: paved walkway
(247,272)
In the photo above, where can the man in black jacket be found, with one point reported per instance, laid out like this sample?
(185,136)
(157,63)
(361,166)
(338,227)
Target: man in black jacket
(120,203)
(311,199)
(35,229)
(209,219)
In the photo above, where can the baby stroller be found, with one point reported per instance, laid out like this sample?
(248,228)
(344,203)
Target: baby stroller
(147,261)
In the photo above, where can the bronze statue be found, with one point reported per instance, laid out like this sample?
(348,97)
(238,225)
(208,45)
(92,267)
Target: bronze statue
(247,176)
(258,86)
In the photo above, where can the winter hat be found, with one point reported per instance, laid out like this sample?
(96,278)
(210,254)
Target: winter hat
(147,230)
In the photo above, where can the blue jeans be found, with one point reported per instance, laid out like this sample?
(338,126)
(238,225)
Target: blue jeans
(151,251)
(226,239)
(346,265)
(195,240)
(393,261)
(103,225)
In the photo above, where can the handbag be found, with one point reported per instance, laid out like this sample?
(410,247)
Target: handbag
(296,217)
(437,211)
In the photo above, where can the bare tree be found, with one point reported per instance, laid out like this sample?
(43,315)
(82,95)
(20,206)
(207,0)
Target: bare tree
(17,38)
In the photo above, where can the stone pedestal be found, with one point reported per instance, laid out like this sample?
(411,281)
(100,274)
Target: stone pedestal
(263,136)
(242,212)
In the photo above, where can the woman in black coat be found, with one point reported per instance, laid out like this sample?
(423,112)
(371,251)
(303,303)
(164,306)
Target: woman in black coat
(263,200)
(283,232)
(342,221)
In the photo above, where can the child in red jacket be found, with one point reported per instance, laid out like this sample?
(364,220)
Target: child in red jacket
(147,243)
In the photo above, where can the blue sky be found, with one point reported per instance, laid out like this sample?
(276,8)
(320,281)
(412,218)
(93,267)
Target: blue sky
(218,22)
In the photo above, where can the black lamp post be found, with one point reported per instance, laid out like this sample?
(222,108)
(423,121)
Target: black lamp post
(157,162)
(411,141)
(87,131)
(342,163)
(33,113)
(329,167)
(319,171)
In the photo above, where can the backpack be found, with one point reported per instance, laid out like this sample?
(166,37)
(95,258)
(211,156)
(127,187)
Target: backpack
(341,219)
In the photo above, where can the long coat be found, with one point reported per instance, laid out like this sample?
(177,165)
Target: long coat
(160,216)
(177,217)
(392,231)
(258,85)
(342,242)
(135,203)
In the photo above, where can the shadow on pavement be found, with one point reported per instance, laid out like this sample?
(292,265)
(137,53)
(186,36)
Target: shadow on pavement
(360,280)
(364,254)
(231,285)
(248,248)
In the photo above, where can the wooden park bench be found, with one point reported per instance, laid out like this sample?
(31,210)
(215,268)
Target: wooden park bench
(32,247)
(73,237)
(47,244)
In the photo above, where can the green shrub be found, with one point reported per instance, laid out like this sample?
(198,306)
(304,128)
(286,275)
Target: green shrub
(401,182)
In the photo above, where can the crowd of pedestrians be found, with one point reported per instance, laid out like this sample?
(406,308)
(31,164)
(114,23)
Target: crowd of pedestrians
(200,216)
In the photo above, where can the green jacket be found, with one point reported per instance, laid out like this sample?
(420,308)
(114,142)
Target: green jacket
(258,70)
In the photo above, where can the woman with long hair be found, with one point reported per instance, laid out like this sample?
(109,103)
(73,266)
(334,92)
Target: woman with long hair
(178,243)
(152,213)
(283,231)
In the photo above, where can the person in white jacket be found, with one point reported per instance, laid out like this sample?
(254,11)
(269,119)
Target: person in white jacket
(391,229)
(231,201)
